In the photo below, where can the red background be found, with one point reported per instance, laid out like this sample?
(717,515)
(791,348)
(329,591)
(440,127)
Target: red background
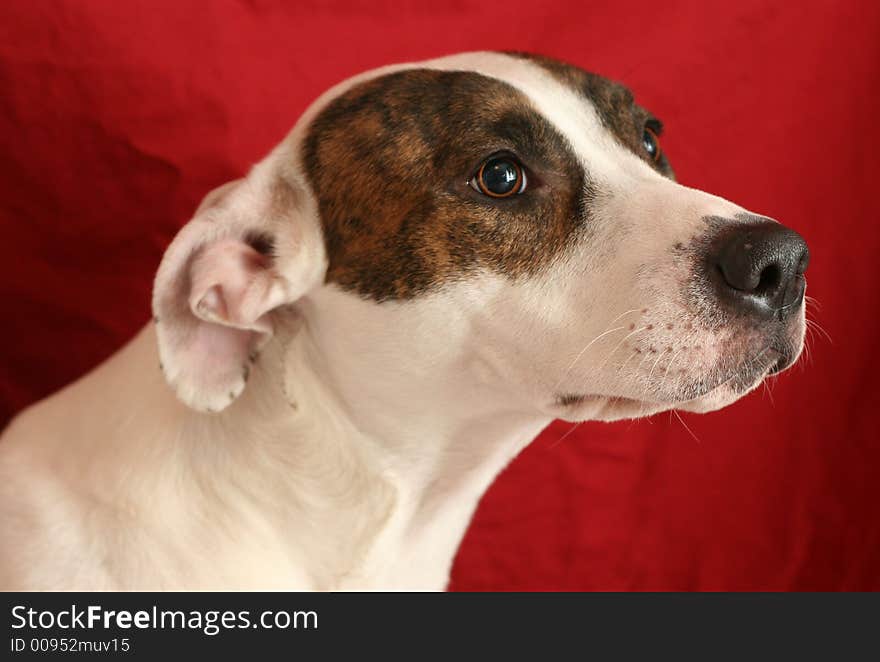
(116,117)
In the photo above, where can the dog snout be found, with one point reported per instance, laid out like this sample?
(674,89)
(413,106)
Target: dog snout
(759,268)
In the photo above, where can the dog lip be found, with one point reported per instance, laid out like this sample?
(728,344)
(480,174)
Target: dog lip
(774,360)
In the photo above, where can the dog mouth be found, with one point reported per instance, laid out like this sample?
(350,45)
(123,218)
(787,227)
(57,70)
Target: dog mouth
(694,368)
(607,407)
(725,385)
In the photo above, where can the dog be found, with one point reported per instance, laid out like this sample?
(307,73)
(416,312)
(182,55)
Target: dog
(352,341)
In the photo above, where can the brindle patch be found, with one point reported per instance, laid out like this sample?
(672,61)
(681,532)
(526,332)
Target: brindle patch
(614,103)
(390,161)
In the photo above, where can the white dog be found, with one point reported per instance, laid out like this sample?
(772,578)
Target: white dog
(440,258)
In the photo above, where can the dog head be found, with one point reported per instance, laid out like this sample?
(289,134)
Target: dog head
(487,218)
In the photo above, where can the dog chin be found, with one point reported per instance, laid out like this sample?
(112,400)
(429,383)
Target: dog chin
(614,408)
(609,408)
(717,399)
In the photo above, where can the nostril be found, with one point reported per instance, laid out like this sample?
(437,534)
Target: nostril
(770,279)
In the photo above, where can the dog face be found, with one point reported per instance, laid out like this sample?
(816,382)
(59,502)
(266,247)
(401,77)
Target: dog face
(511,218)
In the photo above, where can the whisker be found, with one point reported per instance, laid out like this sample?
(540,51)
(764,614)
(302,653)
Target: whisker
(648,381)
(623,340)
(813,301)
(589,344)
(691,432)
(651,373)
(562,438)
(769,392)
(620,369)
(669,365)
(813,324)
(808,350)
(581,353)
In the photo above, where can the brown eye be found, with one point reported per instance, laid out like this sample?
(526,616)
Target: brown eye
(500,177)
(651,144)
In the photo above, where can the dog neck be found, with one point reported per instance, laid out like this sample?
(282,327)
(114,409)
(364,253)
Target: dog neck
(412,437)
(350,461)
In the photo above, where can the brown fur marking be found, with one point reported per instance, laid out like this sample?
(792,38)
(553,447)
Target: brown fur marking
(614,103)
(390,161)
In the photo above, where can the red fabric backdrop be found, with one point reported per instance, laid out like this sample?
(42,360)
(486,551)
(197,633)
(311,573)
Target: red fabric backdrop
(116,117)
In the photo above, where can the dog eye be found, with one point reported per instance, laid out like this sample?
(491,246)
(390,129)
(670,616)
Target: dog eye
(500,177)
(651,144)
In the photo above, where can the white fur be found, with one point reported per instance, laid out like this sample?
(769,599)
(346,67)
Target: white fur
(367,433)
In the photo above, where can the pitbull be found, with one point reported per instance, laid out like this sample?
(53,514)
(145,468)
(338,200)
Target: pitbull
(351,342)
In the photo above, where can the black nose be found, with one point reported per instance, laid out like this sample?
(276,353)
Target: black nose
(762,267)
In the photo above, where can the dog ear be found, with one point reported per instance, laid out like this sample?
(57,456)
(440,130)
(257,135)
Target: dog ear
(248,251)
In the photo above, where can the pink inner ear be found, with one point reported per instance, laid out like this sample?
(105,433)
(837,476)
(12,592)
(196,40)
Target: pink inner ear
(231,283)
(222,322)
(214,364)
(215,345)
